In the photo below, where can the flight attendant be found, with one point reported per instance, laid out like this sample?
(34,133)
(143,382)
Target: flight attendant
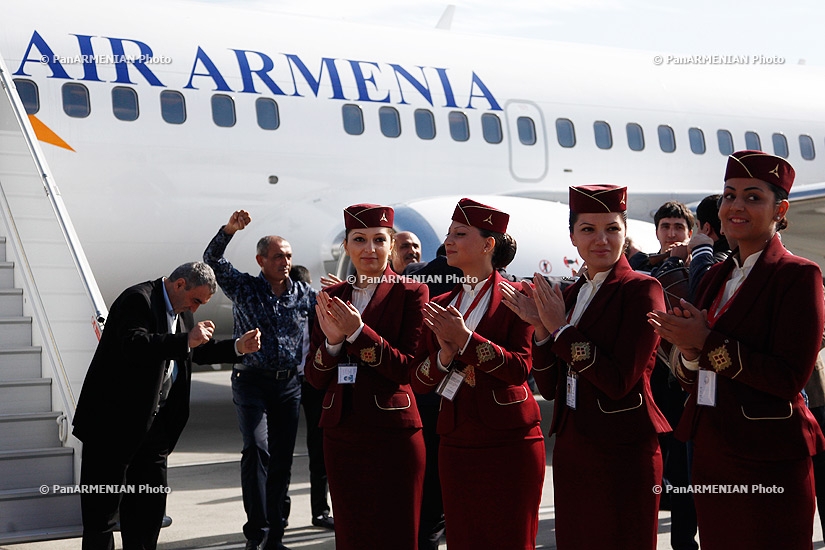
(362,348)
(593,354)
(746,350)
(476,354)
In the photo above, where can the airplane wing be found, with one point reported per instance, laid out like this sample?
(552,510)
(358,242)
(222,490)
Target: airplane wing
(806,220)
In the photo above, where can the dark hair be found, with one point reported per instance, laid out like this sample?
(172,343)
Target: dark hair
(504,250)
(674,209)
(391,231)
(574,217)
(708,212)
(195,274)
(300,274)
(780,195)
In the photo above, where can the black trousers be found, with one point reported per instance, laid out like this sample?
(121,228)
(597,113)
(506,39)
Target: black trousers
(311,400)
(131,488)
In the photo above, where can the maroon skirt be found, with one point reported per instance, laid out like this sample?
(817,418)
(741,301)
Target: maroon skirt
(492,490)
(765,504)
(604,493)
(375,480)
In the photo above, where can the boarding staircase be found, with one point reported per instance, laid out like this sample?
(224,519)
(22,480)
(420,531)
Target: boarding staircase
(50,310)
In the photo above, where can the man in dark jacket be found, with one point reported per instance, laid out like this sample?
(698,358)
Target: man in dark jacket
(135,402)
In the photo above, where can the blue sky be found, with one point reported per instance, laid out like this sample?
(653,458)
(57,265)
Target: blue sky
(789,29)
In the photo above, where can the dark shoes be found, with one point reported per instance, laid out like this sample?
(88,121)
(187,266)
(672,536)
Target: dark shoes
(252,545)
(324,520)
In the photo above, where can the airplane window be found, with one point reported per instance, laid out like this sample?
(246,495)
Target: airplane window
(124,103)
(527,130)
(76,100)
(725,142)
(697,141)
(172,107)
(604,137)
(635,137)
(223,111)
(424,124)
(27,90)
(752,141)
(565,132)
(459,128)
(780,145)
(389,121)
(267,111)
(806,147)
(491,128)
(353,119)
(667,140)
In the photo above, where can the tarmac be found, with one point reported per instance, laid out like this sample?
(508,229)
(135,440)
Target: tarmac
(204,476)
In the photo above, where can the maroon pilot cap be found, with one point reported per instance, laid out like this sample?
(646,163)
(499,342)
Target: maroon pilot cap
(480,216)
(762,166)
(597,199)
(360,216)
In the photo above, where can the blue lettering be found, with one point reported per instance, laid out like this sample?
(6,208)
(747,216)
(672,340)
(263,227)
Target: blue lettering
(361,81)
(87,54)
(246,72)
(485,93)
(212,72)
(46,57)
(122,62)
(423,89)
(315,84)
(448,88)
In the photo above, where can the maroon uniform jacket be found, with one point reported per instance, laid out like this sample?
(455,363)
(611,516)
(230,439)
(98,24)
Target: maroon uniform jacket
(496,361)
(384,352)
(613,350)
(763,349)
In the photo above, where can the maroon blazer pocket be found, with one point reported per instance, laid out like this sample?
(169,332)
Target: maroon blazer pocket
(331,408)
(616,420)
(397,401)
(508,407)
(769,430)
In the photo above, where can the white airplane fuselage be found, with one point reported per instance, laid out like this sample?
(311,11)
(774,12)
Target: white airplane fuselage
(146,195)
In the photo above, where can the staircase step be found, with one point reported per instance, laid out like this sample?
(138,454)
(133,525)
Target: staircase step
(15,331)
(22,469)
(26,396)
(29,431)
(6,274)
(11,302)
(25,512)
(19,363)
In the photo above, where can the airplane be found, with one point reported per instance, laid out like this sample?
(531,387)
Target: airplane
(156,122)
(263,107)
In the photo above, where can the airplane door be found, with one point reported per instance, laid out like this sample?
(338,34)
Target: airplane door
(527,140)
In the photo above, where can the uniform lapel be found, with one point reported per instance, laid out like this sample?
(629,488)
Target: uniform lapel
(495,302)
(752,287)
(375,309)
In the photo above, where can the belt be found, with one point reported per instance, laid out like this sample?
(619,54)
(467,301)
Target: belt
(283,374)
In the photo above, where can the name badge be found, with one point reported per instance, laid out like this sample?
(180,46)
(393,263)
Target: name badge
(706,388)
(347,373)
(449,386)
(572,381)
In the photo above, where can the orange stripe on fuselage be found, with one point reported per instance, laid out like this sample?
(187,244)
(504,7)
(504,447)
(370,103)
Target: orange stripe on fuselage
(45,134)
